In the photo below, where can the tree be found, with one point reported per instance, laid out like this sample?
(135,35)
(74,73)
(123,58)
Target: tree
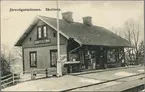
(141,52)
(18,51)
(6,59)
(5,66)
(131,31)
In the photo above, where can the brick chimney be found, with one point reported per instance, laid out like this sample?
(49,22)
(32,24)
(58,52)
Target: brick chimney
(87,20)
(67,16)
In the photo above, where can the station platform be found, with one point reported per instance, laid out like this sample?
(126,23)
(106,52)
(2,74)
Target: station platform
(110,80)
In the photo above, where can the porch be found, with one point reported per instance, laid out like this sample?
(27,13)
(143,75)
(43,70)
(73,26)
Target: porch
(94,57)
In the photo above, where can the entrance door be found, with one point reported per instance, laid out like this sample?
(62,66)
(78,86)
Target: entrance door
(53,58)
(102,58)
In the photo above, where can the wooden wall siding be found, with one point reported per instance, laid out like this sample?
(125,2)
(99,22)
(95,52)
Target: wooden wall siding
(33,36)
(82,55)
(43,56)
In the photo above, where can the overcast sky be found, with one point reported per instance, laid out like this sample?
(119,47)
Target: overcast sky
(104,13)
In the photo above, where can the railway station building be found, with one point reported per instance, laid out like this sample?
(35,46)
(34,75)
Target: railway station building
(83,46)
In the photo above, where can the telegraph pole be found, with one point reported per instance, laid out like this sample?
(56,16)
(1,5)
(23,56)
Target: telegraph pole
(59,67)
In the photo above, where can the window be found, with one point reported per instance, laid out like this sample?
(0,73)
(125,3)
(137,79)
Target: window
(53,58)
(33,59)
(39,33)
(111,55)
(30,39)
(42,32)
(54,34)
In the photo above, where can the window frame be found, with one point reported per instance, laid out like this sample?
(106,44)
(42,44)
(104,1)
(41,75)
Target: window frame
(42,32)
(38,32)
(33,52)
(52,50)
(110,55)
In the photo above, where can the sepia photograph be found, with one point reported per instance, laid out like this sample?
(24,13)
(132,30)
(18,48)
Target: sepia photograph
(71,45)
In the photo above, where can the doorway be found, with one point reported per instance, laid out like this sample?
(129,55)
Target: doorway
(53,58)
(103,58)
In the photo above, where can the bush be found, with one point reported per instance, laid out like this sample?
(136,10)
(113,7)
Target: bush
(5,67)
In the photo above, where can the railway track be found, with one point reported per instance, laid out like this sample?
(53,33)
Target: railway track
(120,78)
(116,79)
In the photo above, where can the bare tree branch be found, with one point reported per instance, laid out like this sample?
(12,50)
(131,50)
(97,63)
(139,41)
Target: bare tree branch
(131,32)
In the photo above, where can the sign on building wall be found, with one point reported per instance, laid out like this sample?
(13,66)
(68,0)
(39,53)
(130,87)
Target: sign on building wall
(42,41)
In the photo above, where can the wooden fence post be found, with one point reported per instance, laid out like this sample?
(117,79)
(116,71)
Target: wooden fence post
(46,72)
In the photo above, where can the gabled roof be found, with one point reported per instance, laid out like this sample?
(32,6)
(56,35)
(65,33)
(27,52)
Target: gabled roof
(83,34)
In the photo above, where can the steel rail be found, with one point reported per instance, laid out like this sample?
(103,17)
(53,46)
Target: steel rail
(101,82)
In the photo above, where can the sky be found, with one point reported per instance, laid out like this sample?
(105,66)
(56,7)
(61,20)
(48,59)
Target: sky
(104,13)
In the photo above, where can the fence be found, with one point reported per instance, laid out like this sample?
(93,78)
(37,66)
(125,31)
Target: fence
(12,79)
(9,79)
(46,71)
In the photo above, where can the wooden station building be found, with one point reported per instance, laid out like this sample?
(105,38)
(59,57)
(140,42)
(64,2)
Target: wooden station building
(83,46)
